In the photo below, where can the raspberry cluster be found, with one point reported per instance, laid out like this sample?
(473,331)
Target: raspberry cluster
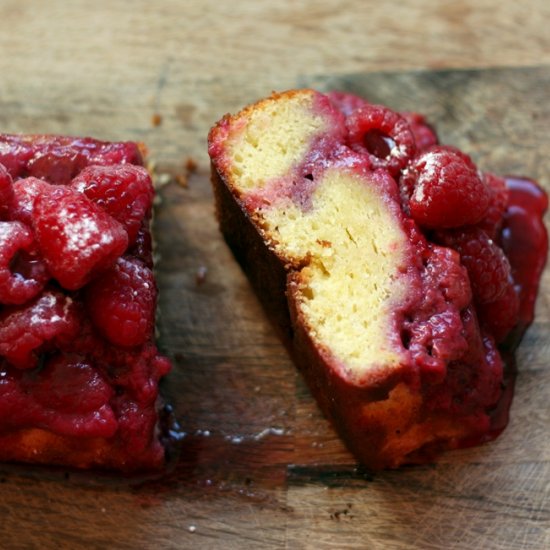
(77,292)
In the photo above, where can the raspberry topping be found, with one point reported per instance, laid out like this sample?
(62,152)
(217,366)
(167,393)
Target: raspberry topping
(22,274)
(487,265)
(25,329)
(498,201)
(6,192)
(501,316)
(424,135)
(59,368)
(122,303)
(346,103)
(445,189)
(142,248)
(76,238)
(60,383)
(25,193)
(383,135)
(58,159)
(67,396)
(123,191)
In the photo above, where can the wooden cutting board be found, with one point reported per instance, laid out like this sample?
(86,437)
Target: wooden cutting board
(258,466)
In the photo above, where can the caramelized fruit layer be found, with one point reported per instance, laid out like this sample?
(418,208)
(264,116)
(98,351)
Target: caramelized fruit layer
(79,369)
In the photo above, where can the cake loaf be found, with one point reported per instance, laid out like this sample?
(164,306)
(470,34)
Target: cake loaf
(381,258)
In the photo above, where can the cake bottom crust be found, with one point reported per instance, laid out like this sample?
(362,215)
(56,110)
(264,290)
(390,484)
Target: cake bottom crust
(38,446)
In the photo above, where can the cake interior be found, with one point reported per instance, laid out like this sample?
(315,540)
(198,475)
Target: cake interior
(335,228)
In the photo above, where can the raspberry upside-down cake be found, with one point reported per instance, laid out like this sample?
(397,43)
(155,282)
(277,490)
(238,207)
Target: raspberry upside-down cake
(396,270)
(79,369)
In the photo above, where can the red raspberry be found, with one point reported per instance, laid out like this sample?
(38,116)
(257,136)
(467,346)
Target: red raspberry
(135,422)
(501,316)
(487,265)
(122,303)
(424,135)
(142,248)
(108,154)
(346,103)
(56,164)
(22,274)
(137,370)
(68,384)
(76,238)
(498,202)
(25,192)
(6,192)
(124,191)
(15,152)
(60,159)
(382,134)
(445,189)
(26,328)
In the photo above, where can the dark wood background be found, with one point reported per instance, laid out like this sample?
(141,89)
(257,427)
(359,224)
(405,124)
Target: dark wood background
(259,467)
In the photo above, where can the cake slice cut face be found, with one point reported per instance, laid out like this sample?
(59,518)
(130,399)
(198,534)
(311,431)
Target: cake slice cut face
(316,197)
(79,369)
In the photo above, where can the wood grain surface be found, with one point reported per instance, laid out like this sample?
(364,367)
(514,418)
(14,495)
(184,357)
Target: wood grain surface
(259,467)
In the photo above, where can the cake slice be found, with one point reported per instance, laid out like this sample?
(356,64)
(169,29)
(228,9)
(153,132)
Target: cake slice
(79,369)
(374,251)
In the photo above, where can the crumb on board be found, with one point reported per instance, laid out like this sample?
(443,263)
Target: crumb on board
(191,165)
(160,179)
(345,512)
(156,119)
(182,180)
(200,276)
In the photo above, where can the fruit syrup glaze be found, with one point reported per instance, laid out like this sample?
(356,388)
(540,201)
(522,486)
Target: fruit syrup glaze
(76,328)
(494,224)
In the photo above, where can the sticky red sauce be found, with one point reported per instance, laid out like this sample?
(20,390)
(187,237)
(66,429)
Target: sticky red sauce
(525,243)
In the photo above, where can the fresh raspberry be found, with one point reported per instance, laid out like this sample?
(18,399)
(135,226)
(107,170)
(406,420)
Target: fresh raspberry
(489,377)
(76,237)
(445,189)
(58,159)
(108,154)
(424,135)
(501,316)
(56,165)
(15,152)
(25,329)
(124,191)
(61,159)
(142,248)
(25,193)
(383,134)
(137,370)
(346,103)
(22,274)
(487,265)
(6,192)
(122,303)
(135,423)
(68,384)
(498,202)
(444,271)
